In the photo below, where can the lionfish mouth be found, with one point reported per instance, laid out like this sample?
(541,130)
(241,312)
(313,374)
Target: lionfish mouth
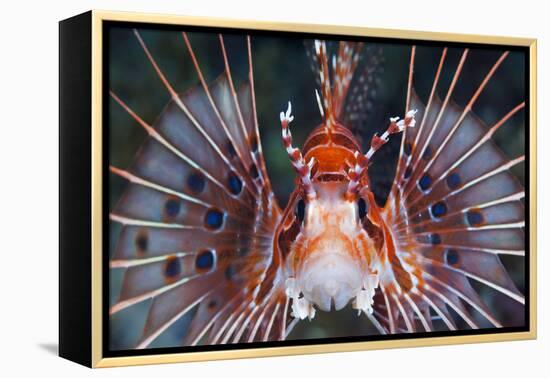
(330,281)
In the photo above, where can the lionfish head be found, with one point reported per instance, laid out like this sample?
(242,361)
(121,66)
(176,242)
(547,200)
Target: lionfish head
(332,235)
(331,260)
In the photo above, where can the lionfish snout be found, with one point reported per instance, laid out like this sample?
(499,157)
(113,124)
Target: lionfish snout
(328,281)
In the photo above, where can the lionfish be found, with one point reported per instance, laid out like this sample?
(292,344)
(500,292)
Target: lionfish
(203,235)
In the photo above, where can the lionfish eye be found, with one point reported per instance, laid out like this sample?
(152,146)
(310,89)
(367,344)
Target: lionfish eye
(300,210)
(361,208)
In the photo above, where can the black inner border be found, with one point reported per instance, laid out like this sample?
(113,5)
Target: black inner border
(106,352)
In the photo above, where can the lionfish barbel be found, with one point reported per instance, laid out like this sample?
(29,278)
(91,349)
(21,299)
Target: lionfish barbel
(203,235)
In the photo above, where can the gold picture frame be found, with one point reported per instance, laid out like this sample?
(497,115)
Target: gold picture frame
(92,332)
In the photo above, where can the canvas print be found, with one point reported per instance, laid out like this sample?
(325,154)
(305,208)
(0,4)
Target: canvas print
(269,188)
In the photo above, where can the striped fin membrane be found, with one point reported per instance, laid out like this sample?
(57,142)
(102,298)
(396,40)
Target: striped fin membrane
(198,215)
(454,210)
